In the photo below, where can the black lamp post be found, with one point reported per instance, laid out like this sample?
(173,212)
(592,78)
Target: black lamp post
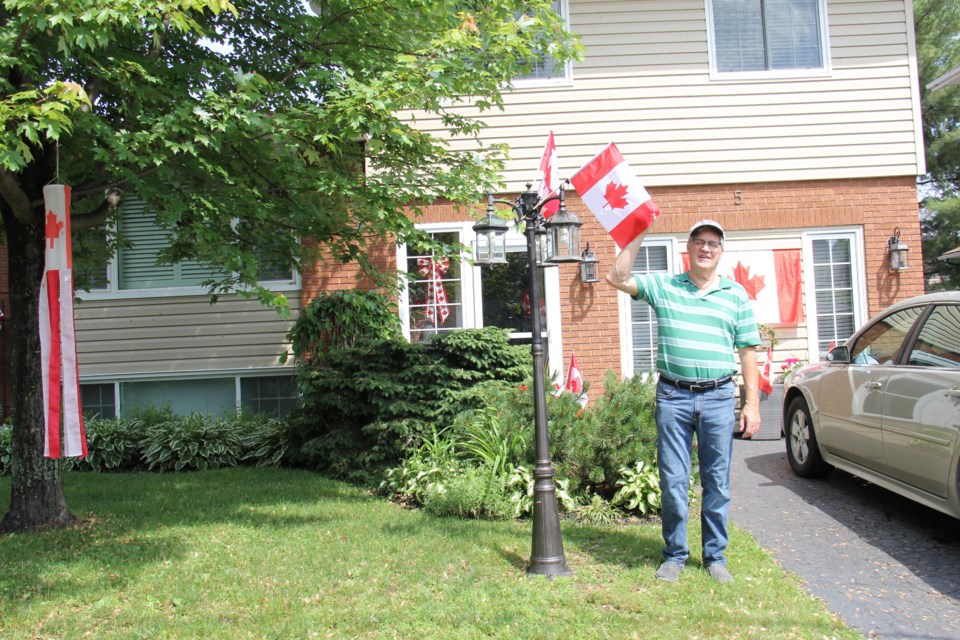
(547,557)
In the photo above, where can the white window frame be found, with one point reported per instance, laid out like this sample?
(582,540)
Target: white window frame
(766,74)
(674,259)
(471,289)
(113,292)
(566,79)
(857,274)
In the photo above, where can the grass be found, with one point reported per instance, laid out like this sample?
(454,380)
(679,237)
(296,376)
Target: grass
(273,553)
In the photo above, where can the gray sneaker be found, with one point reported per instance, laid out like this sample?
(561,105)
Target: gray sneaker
(719,573)
(669,571)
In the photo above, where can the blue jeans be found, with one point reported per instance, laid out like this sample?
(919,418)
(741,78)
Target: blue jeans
(709,414)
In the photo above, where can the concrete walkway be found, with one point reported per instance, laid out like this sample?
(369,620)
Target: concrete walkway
(888,567)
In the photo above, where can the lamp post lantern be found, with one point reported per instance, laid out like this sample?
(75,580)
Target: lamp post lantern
(546,557)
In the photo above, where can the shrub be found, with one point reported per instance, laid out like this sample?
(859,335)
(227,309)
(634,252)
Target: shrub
(263,439)
(520,489)
(366,405)
(597,512)
(194,442)
(112,445)
(339,319)
(425,466)
(590,448)
(477,492)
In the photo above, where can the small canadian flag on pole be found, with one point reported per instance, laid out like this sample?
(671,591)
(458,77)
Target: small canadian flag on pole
(58,345)
(766,374)
(550,179)
(574,377)
(615,195)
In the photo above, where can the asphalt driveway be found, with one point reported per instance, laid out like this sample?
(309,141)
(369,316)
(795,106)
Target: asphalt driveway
(888,567)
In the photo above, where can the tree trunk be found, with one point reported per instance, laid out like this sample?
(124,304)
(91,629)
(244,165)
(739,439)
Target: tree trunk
(37,499)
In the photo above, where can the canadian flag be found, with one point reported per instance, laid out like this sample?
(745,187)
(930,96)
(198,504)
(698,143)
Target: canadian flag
(772,280)
(615,195)
(550,179)
(58,346)
(766,374)
(574,382)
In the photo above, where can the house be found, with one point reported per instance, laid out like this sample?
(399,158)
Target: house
(795,125)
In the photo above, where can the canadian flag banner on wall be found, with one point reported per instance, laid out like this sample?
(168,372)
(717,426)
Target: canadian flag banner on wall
(772,279)
(615,195)
(550,177)
(58,345)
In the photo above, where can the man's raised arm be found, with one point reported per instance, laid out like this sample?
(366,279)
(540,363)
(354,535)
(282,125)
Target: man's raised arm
(620,276)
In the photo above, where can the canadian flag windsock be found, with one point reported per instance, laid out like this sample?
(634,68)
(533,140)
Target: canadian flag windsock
(58,345)
(550,179)
(766,374)
(615,195)
(574,377)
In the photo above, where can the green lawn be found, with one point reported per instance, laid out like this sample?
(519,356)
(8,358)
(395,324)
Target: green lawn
(272,553)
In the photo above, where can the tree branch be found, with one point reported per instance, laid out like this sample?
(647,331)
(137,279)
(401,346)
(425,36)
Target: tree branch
(99,215)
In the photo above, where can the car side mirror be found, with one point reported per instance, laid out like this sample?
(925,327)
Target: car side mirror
(839,355)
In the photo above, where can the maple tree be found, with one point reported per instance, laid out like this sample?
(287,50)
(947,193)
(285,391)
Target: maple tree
(616,195)
(244,125)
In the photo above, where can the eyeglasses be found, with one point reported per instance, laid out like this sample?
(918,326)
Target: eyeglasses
(700,244)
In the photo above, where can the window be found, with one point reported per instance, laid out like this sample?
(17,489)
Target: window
(435,289)
(766,35)
(938,344)
(137,266)
(836,308)
(547,70)
(98,401)
(274,396)
(478,297)
(505,290)
(652,258)
(134,267)
(879,344)
(205,395)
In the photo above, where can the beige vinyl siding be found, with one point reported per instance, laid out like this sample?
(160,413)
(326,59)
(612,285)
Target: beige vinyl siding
(185,334)
(646,85)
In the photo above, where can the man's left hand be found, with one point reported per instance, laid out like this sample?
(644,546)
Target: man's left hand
(750,420)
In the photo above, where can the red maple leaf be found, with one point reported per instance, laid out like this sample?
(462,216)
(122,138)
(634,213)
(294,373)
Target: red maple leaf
(753,284)
(53,228)
(615,195)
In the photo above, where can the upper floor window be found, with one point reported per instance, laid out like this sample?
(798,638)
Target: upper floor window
(136,267)
(767,35)
(547,70)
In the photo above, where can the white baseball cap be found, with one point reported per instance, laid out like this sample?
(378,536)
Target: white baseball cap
(710,224)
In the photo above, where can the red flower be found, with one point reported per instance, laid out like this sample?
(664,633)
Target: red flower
(523,387)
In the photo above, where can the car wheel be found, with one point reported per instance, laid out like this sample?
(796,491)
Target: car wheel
(802,449)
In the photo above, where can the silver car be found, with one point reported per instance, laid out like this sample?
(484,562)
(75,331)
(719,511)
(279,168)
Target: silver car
(885,406)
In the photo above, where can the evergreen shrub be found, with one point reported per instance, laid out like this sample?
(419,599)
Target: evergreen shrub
(364,406)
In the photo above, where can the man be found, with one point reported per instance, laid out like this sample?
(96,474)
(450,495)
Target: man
(702,317)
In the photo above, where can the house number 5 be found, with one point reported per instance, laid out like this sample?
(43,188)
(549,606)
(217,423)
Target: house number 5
(737,198)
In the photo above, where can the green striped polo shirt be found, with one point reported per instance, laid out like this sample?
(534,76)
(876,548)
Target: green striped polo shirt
(697,334)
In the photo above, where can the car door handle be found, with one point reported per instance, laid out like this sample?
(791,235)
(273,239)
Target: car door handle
(873,384)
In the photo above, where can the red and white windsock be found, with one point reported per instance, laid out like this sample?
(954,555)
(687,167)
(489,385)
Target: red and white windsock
(58,345)
(614,194)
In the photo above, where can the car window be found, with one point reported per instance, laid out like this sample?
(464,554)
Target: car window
(880,342)
(938,344)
